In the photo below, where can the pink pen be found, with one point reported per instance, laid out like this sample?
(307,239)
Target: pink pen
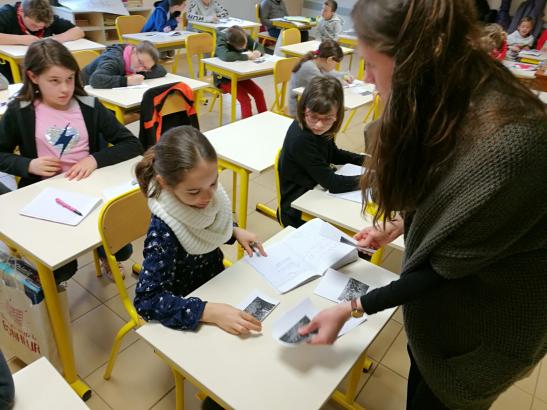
(67,206)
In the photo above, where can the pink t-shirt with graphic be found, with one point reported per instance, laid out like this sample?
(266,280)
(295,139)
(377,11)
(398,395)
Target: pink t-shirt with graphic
(61,134)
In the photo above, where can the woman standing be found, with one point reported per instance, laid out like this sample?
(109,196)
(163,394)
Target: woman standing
(460,163)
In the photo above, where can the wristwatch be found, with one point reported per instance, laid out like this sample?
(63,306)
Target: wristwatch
(356,311)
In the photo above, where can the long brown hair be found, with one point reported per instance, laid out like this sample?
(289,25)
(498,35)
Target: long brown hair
(327,48)
(439,70)
(321,96)
(42,55)
(179,150)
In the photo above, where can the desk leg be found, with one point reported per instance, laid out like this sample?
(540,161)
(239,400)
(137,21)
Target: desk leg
(233,79)
(118,111)
(347,400)
(61,332)
(14,69)
(179,389)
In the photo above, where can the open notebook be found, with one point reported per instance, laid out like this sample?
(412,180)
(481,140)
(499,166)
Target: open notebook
(303,255)
(350,170)
(45,206)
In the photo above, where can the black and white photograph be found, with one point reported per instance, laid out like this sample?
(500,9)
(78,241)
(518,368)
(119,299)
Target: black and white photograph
(353,289)
(292,336)
(259,308)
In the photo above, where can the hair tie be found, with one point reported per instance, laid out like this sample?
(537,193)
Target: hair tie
(316,52)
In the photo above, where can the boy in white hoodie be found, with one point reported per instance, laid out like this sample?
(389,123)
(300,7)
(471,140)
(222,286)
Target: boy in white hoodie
(330,24)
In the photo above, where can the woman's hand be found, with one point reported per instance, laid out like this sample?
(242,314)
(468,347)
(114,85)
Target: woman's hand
(230,319)
(82,169)
(375,238)
(248,240)
(327,324)
(44,166)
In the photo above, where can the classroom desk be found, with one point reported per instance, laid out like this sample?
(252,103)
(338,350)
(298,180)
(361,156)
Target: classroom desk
(212,28)
(339,212)
(121,99)
(352,101)
(50,245)
(40,386)
(246,146)
(348,38)
(15,54)
(5,95)
(300,49)
(256,372)
(239,70)
(282,23)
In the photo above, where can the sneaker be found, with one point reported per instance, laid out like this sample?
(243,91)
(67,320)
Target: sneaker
(105,269)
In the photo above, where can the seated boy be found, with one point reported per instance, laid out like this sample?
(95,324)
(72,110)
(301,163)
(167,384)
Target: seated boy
(330,24)
(166,16)
(122,65)
(521,38)
(29,21)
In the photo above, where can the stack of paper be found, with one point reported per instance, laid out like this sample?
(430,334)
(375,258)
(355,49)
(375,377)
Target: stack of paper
(303,255)
(350,170)
(45,206)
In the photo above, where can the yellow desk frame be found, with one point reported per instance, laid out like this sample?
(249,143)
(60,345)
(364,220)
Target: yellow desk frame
(60,329)
(14,66)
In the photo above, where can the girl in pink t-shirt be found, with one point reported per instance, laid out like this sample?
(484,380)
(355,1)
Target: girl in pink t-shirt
(58,128)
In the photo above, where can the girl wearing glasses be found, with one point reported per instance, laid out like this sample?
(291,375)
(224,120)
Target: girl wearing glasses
(309,148)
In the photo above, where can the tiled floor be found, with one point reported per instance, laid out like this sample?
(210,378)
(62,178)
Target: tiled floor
(142,381)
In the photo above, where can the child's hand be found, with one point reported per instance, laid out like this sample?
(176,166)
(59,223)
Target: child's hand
(166,29)
(230,319)
(82,169)
(28,39)
(215,19)
(44,166)
(246,239)
(348,78)
(256,54)
(135,79)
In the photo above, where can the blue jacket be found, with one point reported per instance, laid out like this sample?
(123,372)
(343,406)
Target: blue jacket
(159,19)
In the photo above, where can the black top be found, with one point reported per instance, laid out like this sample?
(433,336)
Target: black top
(108,70)
(305,161)
(9,24)
(18,129)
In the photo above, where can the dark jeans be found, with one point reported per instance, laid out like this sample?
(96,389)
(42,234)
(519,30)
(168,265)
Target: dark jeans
(65,272)
(4,189)
(7,391)
(304,34)
(419,396)
(274,32)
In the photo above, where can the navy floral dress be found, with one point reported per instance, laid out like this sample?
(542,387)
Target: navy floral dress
(168,274)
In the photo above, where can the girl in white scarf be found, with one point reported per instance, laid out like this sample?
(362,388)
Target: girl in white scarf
(191,218)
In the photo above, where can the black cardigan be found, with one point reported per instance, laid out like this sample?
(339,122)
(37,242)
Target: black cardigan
(305,161)
(18,129)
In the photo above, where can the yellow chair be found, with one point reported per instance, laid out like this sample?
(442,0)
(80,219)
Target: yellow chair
(122,220)
(129,25)
(265,210)
(85,57)
(282,74)
(290,36)
(263,36)
(198,45)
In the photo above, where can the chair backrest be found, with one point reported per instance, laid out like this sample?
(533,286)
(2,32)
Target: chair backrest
(278,186)
(198,45)
(85,57)
(129,25)
(282,75)
(257,12)
(173,103)
(184,20)
(290,36)
(122,220)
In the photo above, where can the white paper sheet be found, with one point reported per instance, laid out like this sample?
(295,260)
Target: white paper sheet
(350,170)
(117,190)
(102,6)
(285,329)
(230,22)
(303,255)
(43,206)
(338,287)
(258,304)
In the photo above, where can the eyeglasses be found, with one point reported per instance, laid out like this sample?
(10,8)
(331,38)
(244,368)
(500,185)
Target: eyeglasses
(315,118)
(141,64)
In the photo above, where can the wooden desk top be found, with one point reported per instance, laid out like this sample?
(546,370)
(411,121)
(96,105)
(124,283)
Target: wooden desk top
(19,52)
(244,68)
(312,45)
(159,38)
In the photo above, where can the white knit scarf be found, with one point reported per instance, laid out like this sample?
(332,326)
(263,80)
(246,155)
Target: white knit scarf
(199,231)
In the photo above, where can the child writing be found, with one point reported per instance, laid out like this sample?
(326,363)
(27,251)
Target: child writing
(59,129)
(309,148)
(233,44)
(191,218)
(122,65)
(165,17)
(330,24)
(207,11)
(315,63)
(521,38)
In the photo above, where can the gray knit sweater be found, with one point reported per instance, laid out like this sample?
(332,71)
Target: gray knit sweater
(483,227)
